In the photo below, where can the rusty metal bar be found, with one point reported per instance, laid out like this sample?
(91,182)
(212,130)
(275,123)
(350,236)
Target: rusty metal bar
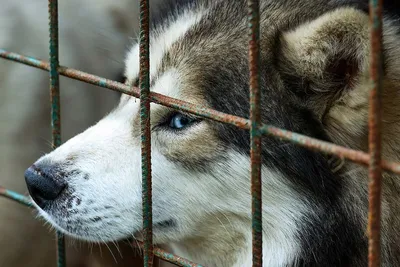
(144,82)
(174,259)
(255,135)
(15,196)
(374,122)
(132,91)
(356,156)
(55,104)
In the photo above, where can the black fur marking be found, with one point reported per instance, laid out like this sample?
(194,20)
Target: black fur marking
(167,9)
(166,224)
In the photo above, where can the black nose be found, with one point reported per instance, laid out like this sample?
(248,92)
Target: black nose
(42,185)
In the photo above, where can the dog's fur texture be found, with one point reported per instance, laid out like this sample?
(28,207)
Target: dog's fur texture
(314,80)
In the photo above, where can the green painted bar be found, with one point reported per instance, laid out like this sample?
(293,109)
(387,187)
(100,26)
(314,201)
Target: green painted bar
(55,104)
(144,82)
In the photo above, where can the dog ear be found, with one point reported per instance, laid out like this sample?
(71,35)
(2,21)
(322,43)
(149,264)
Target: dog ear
(327,57)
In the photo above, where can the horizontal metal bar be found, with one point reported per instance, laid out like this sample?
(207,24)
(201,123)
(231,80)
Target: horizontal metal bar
(133,91)
(326,147)
(15,196)
(169,257)
(172,258)
(356,156)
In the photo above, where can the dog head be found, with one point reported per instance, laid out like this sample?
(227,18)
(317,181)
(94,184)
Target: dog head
(313,72)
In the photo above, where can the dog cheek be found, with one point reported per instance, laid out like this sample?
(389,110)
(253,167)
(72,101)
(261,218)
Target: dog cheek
(194,152)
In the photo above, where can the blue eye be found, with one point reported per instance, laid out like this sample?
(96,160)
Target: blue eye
(179,121)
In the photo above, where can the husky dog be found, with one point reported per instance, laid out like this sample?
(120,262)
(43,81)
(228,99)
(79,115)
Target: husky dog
(315,81)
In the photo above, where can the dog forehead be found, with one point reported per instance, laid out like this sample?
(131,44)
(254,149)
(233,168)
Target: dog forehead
(161,40)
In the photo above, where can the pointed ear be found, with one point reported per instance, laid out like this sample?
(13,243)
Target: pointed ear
(323,58)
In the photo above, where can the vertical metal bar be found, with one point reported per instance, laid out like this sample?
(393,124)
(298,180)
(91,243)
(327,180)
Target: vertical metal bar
(375,113)
(55,103)
(144,81)
(255,136)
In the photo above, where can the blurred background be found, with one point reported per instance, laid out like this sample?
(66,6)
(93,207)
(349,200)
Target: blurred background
(94,36)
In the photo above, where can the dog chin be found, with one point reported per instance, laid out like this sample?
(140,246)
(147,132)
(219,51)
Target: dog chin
(160,230)
(82,235)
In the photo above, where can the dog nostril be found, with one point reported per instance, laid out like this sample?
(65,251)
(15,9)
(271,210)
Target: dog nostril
(42,187)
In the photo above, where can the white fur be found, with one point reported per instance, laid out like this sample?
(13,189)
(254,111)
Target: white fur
(160,41)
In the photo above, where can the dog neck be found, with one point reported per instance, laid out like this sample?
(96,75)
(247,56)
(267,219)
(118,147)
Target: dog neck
(228,243)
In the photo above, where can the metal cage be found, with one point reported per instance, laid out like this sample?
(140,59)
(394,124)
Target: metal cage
(254,125)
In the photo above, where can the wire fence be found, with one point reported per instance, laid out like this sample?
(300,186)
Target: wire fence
(254,125)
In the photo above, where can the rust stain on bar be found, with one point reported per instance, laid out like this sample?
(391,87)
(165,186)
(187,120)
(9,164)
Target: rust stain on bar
(144,81)
(169,257)
(30,61)
(375,111)
(255,136)
(356,156)
(174,259)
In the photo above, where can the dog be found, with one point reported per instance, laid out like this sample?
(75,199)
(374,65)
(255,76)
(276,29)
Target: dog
(314,78)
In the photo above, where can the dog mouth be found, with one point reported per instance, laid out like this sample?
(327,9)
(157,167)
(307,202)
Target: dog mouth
(162,226)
